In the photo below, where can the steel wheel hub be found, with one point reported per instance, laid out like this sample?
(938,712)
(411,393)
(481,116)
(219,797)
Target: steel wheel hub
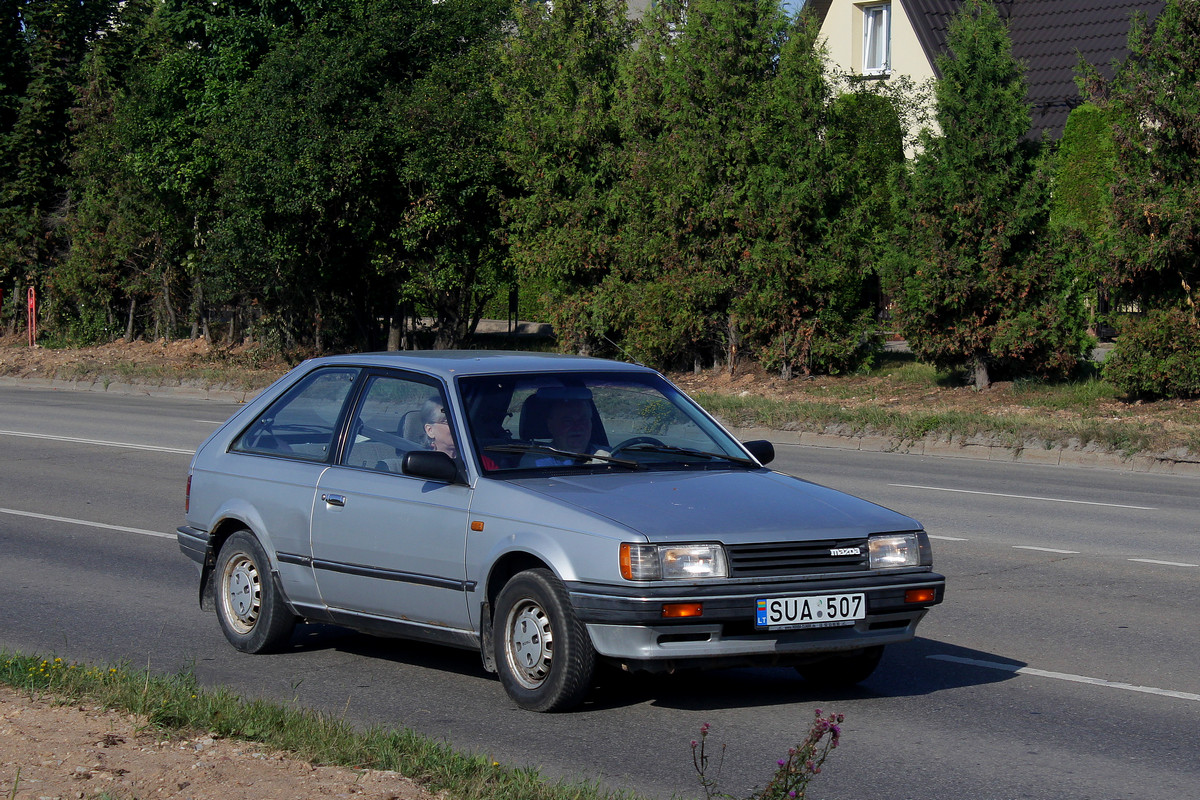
(243,594)
(530,643)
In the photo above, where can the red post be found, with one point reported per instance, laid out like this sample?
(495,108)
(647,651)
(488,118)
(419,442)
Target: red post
(32,316)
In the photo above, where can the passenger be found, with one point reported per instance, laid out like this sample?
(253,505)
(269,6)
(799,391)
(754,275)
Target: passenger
(437,427)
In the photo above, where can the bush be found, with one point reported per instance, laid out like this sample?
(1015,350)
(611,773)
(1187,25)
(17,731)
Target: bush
(1157,355)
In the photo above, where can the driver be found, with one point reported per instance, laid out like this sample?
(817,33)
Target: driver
(570,426)
(569,421)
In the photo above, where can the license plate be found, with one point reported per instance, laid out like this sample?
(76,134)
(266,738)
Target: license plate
(820,611)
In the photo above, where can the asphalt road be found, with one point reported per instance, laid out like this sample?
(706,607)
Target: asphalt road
(1063,663)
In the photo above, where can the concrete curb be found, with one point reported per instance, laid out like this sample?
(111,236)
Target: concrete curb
(980,449)
(238,396)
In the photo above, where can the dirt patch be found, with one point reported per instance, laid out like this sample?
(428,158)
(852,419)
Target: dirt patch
(181,362)
(69,752)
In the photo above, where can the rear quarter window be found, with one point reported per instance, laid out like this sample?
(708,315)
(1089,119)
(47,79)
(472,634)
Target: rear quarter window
(302,423)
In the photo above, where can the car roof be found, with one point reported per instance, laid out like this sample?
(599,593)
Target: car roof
(449,364)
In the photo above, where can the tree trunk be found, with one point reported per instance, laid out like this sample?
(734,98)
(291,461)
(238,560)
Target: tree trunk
(169,305)
(982,381)
(129,323)
(395,328)
(318,332)
(734,341)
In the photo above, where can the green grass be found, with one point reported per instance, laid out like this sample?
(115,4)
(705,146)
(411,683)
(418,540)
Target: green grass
(176,704)
(1082,395)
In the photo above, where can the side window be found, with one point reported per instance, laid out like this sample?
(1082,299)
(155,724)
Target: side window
(302,423)
(396,415)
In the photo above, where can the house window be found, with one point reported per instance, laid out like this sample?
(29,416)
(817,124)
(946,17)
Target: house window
(877,39)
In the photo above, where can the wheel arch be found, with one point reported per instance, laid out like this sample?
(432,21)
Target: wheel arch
(503,570)
(219,534)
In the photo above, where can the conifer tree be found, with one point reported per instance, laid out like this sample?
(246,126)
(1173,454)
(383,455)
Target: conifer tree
(692,92)
(1155,98)
(1156,198)
(816,196)
(969,282)
(563,144)
(43,66)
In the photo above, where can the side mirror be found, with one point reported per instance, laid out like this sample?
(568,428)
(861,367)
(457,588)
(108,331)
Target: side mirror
(761,449)
(430,464)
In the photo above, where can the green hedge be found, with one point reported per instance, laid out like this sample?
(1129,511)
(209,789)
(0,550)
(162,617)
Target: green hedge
(1157,356)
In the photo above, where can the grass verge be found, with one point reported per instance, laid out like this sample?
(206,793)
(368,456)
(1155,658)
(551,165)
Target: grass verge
(176,704)
(1015,431)
(900,398)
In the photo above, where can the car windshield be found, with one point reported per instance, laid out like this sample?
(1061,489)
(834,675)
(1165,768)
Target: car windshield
(591,421)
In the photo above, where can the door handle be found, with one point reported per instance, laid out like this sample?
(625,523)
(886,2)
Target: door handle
(338,500)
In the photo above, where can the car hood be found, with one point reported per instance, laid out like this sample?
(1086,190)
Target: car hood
(729,507)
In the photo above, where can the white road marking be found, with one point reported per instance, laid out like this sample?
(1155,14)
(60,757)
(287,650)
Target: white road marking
(210,422)
(1163,563)
(1045,549)
(87,523)
(103,443)
(948,538)
(1063,676)
(1020,496)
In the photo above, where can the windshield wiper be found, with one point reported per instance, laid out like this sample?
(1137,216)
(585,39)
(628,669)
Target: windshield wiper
(554,451)
(647,447)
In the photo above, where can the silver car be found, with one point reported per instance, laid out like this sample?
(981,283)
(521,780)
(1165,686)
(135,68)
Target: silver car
(550,512)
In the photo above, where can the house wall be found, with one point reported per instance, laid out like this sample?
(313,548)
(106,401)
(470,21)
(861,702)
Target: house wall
(842,33)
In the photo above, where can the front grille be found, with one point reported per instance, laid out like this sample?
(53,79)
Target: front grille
(781,559)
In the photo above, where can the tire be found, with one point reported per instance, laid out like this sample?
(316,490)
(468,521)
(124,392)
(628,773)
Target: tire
(543,654)
(252,614)
(842,671)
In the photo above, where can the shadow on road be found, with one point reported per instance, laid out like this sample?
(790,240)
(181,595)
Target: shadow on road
(906,671)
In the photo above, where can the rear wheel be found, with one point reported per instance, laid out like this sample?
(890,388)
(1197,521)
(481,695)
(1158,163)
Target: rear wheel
(543,653)
(253,616)
(843,670)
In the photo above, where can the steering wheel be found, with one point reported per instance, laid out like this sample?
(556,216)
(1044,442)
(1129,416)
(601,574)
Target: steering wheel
(636,440)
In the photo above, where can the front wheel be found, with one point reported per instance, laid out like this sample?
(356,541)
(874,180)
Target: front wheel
(843,670)
(253,616)
(543,653)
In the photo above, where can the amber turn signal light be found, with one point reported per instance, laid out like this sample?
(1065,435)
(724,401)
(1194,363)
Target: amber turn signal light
(676,610)
(477,525)
(920,595)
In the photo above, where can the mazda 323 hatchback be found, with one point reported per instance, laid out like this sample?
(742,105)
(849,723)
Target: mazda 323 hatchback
(550,512)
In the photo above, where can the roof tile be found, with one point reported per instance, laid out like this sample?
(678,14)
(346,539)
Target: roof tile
(1049,36)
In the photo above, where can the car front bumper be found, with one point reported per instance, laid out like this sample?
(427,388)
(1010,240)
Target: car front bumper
(627,624)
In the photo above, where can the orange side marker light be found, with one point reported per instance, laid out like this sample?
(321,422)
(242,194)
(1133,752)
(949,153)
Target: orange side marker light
(920,595)
(676,610)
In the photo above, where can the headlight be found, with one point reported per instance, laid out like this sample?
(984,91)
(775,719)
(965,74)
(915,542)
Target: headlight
(895,550)
(650,562)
